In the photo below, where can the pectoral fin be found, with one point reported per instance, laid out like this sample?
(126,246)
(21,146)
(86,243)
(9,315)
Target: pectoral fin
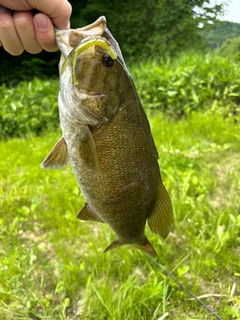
(93,150)
(161,218)
(58,156)
(87,214)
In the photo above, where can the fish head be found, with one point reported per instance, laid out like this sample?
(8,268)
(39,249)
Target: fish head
(93,74)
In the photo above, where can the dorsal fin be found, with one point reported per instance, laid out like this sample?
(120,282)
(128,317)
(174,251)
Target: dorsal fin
(87,214)
(161,218)
(58,156)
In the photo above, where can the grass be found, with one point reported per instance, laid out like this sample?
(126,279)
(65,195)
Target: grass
(52,265)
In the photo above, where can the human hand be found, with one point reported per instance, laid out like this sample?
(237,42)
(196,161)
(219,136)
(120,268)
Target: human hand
(21,30)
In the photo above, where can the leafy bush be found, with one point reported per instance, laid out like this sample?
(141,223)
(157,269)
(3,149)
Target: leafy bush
(28,107)
(175,87)
(191,82)
(230,48)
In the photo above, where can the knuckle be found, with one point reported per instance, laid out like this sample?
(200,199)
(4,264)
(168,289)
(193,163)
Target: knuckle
(22,20)
(6,23)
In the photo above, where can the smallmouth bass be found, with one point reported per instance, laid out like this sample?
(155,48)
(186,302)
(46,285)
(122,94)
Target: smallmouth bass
(107,139)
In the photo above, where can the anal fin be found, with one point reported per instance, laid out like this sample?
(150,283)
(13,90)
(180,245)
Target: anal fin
(161,218)
(87,214)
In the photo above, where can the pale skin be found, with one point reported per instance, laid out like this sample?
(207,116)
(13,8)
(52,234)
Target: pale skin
(21,29)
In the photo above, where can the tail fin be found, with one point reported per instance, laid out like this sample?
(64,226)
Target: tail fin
(113,245)
(144,246)
(147,247)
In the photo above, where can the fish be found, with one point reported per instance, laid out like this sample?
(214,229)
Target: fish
(106,137)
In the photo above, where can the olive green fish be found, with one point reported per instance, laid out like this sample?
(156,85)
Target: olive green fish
(107,139)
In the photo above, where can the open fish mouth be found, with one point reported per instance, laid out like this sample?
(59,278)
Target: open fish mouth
(83,46)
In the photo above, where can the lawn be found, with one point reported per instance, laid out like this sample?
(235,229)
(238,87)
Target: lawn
(52,265)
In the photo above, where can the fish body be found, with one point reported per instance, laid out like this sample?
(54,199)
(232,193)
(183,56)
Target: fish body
(107,138)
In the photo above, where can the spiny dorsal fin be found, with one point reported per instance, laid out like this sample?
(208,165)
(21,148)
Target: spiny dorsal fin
(87,214)
(58,156)
(161,218)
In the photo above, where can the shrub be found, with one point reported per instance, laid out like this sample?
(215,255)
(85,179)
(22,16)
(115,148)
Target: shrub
(230,48)
(191,82)
(176,87)
(28,107)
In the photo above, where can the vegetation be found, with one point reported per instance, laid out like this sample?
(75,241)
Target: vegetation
(230,48)
(191,82)
(157,29)
(219,32)
(176,86)
(52,265)
(28,107)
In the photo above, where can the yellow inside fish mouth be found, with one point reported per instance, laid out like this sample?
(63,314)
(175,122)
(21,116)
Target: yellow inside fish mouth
(83,47)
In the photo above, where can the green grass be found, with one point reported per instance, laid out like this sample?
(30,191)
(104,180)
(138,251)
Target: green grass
(52,265)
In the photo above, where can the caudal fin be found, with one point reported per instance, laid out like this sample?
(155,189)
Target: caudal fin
(144,246)
(147,247)
(113,245)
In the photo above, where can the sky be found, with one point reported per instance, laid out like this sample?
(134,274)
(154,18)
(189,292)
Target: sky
(232,11)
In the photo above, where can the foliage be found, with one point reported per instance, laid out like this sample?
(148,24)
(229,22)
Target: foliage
(27,66)
(230,48)
(175,86)
(28,107)
(191,82)
(156,28)
(52,265)
(219,32)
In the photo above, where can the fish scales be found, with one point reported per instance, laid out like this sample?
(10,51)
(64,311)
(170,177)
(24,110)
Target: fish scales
(107,139)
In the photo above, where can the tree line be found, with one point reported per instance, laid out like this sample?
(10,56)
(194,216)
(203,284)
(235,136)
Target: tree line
(143,28)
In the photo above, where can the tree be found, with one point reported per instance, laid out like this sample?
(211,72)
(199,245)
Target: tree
(143,28)
(220,32)
(146,28)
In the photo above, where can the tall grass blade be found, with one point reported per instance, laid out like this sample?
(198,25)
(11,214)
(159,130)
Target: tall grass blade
(184,288)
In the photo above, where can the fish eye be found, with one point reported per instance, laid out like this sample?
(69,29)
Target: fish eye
(107,61)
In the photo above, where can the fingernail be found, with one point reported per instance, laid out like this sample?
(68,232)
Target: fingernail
(41,22)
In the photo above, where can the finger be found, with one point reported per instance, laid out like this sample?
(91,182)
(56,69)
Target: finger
(58,10)
(8,34)
(45,33)
(24,26)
